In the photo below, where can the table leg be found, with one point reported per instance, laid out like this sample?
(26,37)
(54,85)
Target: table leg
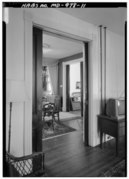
(117,140)
(117,146)
(43,161)
(53,122)
(101,137)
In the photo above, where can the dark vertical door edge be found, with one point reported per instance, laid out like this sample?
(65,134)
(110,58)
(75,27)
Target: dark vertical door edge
(67,88)
(37,91)
(86,131)
(81,72)
(126,94)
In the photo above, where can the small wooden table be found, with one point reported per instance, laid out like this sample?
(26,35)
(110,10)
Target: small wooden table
(113,127)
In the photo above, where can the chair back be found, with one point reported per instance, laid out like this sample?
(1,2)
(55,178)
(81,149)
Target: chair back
(48,109)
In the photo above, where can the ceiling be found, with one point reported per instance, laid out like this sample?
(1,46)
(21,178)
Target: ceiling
(58,48)
(112,18)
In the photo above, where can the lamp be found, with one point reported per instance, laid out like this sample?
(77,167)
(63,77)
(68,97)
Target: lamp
(15,93)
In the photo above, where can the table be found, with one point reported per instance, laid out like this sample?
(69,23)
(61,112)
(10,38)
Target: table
(113,127)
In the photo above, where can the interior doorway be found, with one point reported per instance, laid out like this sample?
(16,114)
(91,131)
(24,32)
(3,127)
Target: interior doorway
(56,50)
(49,62)
(74,87)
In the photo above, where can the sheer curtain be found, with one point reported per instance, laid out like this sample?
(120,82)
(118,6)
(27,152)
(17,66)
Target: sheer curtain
(53,71)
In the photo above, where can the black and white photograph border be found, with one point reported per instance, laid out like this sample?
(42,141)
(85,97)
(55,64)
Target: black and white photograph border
(50,126)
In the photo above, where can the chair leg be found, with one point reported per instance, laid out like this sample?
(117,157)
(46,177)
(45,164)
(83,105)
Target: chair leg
(43,162)
(54,117)
(43,121)
(58,118)
(53,122)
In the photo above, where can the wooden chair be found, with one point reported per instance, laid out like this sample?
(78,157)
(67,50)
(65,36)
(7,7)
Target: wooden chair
(48,111)
(26,166)
(57,107)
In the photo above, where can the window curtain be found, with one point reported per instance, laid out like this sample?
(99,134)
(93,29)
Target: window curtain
(53,71)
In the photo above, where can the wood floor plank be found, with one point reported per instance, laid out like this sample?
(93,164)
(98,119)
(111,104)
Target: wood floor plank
(67,156)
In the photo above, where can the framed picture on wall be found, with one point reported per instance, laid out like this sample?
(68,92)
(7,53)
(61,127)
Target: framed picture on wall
(78,85)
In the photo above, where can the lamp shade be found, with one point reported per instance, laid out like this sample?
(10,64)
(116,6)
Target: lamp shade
(15,91)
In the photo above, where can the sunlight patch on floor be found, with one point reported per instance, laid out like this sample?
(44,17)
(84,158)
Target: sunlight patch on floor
(64,115)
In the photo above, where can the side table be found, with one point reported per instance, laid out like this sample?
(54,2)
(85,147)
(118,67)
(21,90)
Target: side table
(113,127)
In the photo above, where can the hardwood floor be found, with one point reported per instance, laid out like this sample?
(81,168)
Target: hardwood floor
(66,156)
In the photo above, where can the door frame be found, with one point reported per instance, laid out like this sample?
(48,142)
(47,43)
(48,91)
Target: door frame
(85,102)
(78,40)
(64,78)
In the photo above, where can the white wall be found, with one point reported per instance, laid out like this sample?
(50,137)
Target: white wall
(16,65)
(115,72)
(19,65)
(15,71)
